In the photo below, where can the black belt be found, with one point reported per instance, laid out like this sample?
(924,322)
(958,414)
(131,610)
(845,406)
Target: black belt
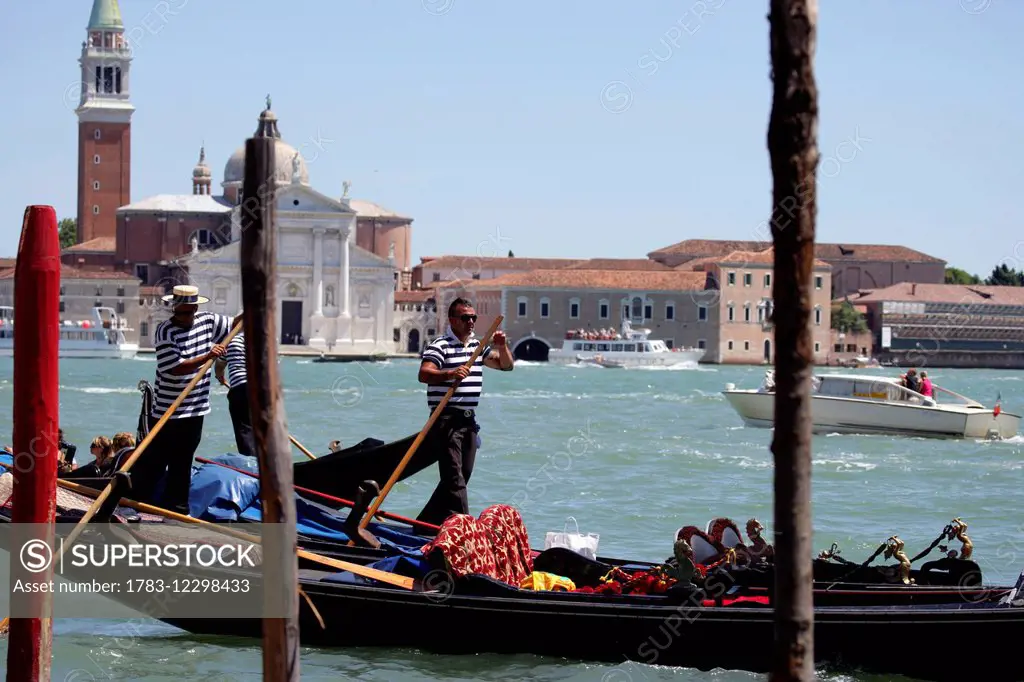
(458,412)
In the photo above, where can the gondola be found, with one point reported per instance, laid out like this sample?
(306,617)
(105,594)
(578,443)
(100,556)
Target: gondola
(682,627)
(324,530)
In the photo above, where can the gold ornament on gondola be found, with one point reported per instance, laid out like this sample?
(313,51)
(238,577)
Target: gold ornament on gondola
(958,531)
(895,550)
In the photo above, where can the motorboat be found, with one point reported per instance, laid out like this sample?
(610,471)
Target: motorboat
(628,348)
(101,335)
(857,403)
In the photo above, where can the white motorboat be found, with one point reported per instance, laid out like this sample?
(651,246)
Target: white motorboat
(629,348)
(843,403)
(102,336)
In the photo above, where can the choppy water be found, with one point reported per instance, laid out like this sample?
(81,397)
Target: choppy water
(632,455)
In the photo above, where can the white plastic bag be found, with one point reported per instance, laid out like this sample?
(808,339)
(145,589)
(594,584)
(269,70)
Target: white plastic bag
(585,545)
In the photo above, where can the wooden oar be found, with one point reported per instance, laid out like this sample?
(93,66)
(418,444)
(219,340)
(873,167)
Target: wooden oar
(365,571)
(80,526)
(299,446)
(426,429)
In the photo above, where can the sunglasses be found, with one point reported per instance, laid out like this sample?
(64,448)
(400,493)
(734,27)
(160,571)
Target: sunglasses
(467,318)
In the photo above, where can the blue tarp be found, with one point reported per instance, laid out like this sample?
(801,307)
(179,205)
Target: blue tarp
(220,494)
(411,567)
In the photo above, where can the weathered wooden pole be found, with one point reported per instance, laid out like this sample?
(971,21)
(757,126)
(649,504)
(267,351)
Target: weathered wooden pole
(792,145)
(270,426)
(36,421)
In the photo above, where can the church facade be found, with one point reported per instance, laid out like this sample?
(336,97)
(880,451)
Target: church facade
(340,260)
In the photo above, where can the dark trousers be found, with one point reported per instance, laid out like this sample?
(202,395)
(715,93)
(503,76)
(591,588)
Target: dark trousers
(453,437)
(238,406)
(171,451)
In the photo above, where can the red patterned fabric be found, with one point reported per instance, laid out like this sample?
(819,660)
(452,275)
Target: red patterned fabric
(495,545)
(511,545)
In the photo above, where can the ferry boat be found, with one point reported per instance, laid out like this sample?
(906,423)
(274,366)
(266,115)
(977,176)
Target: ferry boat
(102,336)
(864,404)
(630,348)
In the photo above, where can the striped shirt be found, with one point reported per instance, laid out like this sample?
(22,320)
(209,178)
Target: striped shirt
(173,345)
(447,352)
(235,359)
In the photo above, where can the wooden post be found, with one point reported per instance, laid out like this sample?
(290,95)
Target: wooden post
(792,145)
(36,421)
(270,427)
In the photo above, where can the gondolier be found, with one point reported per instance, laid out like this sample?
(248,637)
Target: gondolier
(183,344)
(233,362)
(454,434)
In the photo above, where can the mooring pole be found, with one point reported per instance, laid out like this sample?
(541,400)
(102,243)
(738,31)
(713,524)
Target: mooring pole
(270,426)
(36,421)
(792,145)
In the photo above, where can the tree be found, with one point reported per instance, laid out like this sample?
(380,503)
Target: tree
(68,232)
(958,276)
(793,149)
(847,319)
(1004,275)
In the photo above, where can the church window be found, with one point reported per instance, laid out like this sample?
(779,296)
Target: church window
(108,79)
(670,310)
(117,79)
(97,134)
(144,329)
(602,309)
(96,185)
(203,237)
(95,210)
(96,158)
(108,40)
(62,306)
(397,335)
(120,291)
(638,308)
(95,39)
(120,307)
(99,78)
(521,306)
(545,307)
(574,308)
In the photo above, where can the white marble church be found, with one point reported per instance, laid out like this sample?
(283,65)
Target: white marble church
(333,295)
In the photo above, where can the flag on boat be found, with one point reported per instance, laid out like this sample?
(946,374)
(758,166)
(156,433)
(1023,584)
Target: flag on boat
(996,410)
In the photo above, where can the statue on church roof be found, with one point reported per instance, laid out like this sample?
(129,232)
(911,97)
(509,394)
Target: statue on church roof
(296,168)
(268,101)
(195,244)
(345,187)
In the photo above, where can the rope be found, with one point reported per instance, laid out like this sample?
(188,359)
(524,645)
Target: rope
(881,548)
(935,543)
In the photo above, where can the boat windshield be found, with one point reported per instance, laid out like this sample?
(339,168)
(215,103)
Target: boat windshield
(948,397)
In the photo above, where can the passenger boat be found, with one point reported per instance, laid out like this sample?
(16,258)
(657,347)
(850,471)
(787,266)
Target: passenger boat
(864,404)
(103,335)
(629,348)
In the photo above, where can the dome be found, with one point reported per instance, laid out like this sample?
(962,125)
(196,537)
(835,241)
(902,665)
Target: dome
(284,153)
(287,159)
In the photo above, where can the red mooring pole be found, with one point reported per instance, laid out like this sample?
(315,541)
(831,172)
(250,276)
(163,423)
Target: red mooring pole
(36,340)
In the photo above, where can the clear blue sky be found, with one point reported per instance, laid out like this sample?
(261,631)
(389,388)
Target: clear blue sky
(488,119)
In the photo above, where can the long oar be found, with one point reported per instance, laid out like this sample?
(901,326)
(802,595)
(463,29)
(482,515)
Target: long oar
(426,429)
(365,571)
(299,446)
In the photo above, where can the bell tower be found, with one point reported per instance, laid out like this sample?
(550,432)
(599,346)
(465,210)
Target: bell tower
(104,123)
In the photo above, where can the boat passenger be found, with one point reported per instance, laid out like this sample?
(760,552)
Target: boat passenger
(67,452)
(454,434)
(184,343)
(926,386)
(911,381)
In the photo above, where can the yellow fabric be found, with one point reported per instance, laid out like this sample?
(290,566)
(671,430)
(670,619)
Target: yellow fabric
(547,581)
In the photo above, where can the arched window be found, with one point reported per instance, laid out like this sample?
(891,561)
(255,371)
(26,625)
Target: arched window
(204,238)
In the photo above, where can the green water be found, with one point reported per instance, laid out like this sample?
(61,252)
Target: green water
(632,455)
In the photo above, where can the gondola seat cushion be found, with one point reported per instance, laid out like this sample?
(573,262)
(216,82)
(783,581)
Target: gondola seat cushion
(495,545)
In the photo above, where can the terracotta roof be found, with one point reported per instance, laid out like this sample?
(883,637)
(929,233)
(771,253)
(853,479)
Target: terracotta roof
(68,272)
(8,263)
(619,264)
(473,263)
(741,258)
(977,294)
(417,296)
(825,251)
(100,244)
(151,291)
(616,280)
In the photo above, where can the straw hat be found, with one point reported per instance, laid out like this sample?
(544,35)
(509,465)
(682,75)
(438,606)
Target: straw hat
(185,294)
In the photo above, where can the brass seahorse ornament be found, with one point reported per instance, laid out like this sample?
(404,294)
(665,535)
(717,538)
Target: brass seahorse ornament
(958,531)
(758,549)
(895,550)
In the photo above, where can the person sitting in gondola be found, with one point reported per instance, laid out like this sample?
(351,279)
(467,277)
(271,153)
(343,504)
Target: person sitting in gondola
(102,450)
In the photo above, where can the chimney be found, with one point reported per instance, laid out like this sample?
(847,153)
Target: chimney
(913,289)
